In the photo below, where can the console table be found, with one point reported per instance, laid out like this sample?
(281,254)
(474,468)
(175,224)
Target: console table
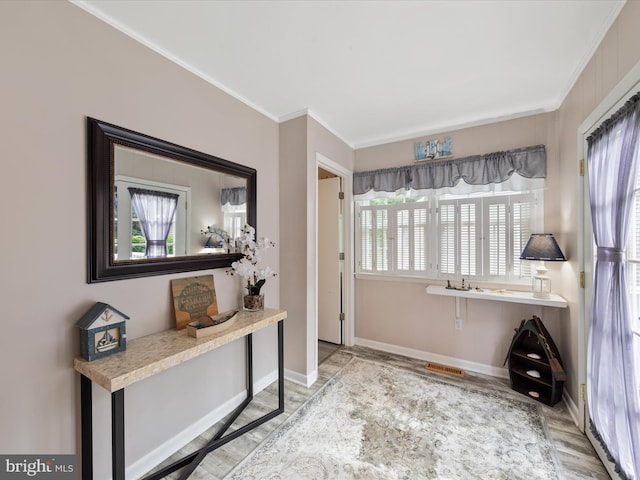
(147,356)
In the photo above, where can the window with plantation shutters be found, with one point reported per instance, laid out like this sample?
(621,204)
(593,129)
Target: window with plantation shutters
(476,237)
(393,239)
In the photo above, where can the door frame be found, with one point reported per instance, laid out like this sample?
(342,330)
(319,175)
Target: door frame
(348,326)
(628,86)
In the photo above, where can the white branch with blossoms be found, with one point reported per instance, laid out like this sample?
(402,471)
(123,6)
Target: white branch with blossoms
(217,234)
(247,267)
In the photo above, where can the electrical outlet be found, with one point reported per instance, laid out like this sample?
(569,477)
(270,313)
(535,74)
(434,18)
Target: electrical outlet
(459,324)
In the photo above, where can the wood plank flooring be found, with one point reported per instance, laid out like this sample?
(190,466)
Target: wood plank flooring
(325,350)
(575,453)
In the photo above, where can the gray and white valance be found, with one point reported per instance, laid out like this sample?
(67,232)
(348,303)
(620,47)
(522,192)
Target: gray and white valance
(233,199)
(233,196)
(519,169)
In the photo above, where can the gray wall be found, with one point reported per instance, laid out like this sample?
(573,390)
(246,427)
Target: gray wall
(300,140)
(400,313)
(59,65)
(618,52)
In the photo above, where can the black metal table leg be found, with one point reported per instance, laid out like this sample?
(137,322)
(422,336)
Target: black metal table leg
(249,366)
(215,441)
(281,366)
(117,434)
(86,427)
(190,462)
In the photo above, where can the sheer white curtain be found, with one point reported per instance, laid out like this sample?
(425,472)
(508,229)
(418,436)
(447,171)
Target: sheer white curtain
(614,406)
(155,211)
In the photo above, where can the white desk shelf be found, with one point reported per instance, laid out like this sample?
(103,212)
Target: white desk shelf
(499,295)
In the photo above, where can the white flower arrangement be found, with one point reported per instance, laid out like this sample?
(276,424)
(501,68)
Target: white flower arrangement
(217,234)
(247,267)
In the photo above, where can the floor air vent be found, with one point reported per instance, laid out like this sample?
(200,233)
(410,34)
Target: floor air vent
(436,367)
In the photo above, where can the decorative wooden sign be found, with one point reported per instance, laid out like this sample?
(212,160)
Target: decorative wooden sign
(432,150)
(193,297)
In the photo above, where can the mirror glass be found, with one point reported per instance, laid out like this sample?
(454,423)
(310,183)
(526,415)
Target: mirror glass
(175,203)
(156,207)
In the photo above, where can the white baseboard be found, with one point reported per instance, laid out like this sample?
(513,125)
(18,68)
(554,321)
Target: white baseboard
(175,443)
(499,372)
(265,381)
(574,411)
(301,379)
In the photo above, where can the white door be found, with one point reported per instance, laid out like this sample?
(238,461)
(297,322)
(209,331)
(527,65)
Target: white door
(329,263)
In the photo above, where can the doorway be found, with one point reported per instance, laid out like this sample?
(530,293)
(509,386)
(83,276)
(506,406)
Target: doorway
(330,261)
(344,215)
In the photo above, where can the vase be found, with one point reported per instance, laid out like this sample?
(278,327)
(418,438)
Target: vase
(253,303)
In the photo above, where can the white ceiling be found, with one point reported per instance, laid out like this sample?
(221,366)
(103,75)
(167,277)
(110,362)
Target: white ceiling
(376,71)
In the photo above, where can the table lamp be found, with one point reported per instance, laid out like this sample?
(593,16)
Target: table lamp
(542,247)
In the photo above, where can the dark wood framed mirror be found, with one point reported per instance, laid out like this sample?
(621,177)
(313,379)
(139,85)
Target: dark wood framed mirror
(150,200)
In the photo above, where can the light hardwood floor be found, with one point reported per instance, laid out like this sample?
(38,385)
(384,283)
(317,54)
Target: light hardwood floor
(575,453)
(325,350)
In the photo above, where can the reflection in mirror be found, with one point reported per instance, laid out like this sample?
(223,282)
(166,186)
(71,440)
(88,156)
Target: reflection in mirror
(162,207)
(156,207)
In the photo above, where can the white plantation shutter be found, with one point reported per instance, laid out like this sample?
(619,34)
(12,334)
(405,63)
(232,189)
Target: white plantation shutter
(411,238)
(459,243)
(382,240)
(498,241)
(366,233)
(507,231)
(469,242)
(402,239)
(420,226)
(497,262)
(447,237)
(521,218)
(373,239)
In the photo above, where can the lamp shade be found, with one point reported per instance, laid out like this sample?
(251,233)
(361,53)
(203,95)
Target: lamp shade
(542,246)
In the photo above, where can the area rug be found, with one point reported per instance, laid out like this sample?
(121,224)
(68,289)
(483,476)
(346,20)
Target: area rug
(374,421)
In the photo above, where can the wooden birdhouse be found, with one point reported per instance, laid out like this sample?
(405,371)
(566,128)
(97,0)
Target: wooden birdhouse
(102,331)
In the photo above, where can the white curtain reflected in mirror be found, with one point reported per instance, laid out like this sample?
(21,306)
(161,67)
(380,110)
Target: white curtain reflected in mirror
(130,233)
(155,214)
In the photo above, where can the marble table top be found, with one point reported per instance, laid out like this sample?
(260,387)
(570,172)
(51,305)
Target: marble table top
(147,356)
